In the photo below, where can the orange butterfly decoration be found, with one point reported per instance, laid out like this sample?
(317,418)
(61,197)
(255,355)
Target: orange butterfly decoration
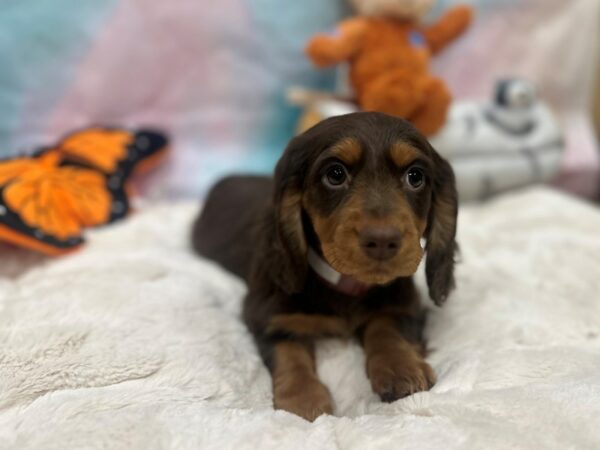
(47,200)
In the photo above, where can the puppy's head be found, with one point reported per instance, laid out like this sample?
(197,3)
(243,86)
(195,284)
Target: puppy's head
(366,187)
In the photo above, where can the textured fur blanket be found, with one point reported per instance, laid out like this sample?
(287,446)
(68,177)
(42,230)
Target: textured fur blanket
(136,343)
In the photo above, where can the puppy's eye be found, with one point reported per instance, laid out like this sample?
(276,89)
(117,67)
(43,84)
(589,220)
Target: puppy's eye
(336,176)
(415,178)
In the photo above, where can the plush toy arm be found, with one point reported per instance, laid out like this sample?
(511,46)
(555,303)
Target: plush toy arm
(329,49)
(450,26)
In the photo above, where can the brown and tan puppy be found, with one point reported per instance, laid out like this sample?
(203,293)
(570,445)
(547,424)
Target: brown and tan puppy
(328,248)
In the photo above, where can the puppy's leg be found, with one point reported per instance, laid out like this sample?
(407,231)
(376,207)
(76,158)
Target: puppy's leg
(296,387)
(395,366)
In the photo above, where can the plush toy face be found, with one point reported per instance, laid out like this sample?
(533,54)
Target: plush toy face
(402,9)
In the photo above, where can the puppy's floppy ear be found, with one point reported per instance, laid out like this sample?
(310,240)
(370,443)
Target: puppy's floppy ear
(441,231)
(288,246)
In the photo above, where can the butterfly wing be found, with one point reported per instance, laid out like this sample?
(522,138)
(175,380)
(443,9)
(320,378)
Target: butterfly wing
(118,154)
(102,149)
(113,150)
(46,207)
(13,168)
(60,202)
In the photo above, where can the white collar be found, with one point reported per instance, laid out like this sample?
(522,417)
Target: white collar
(340,282)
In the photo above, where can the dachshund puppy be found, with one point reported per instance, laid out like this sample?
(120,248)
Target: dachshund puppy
(328,248)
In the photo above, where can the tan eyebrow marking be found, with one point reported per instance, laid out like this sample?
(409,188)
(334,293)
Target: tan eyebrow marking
(403,154)
(348,150)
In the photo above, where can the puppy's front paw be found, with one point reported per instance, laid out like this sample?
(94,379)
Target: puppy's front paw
(307,398)
(399,375)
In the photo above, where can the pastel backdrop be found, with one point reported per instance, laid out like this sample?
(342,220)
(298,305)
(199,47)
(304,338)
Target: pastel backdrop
(214,74)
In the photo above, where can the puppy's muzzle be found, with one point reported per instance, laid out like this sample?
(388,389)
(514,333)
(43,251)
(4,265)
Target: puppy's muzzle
(380,243)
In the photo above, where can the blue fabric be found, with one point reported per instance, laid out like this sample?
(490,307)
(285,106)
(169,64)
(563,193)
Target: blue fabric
(40,43)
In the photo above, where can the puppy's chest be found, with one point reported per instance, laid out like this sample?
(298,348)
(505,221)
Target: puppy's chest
(353,311)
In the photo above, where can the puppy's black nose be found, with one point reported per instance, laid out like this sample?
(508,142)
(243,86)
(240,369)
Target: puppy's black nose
(380,243)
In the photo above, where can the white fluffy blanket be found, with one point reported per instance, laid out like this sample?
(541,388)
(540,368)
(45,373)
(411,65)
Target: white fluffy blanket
(136,343)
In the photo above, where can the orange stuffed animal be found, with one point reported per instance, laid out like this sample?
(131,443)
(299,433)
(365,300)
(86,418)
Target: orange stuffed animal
(389,53)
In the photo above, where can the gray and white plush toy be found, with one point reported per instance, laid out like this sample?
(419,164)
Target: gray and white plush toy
(512,141)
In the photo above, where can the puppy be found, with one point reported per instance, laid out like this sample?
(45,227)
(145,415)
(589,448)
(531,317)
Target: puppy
(328,248)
